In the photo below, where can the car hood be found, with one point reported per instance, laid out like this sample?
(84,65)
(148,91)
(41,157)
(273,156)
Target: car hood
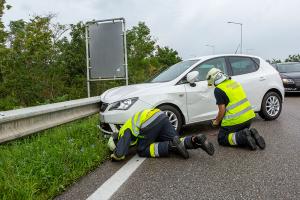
(291,75)
(124,92)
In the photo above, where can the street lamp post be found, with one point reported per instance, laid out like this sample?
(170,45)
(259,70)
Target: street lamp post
(241,50)
(213,48)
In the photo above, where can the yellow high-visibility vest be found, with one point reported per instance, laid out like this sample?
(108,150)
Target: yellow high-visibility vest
(239,109)
(139,120)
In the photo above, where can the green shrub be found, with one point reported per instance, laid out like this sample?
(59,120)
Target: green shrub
(8,103)
(43,165)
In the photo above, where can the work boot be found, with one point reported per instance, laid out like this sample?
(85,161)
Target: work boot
(201,141)
(115,158)
(260,141)
(178,146)
(250,140)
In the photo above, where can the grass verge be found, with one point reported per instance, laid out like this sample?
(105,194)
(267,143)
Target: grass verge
(42,165)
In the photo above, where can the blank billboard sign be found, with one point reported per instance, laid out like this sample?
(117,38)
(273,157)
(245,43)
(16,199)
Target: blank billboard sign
(106,50)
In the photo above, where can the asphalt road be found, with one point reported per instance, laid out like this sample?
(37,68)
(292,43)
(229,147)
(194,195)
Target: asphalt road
(232,173)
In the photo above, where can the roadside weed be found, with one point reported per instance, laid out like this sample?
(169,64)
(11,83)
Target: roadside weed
(42,165)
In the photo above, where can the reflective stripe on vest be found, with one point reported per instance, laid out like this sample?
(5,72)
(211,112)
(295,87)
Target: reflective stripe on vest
(236,104)
(238,114)
(239,109)
(135,126)
(151,119)
(143,122)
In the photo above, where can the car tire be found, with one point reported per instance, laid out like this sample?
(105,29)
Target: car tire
(271,106)
(174,116)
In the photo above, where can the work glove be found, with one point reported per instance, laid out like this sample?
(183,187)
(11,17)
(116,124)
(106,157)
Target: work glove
(214,123)
(111,144)
(114,157)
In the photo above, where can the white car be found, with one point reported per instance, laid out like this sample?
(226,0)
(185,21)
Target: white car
(181,91)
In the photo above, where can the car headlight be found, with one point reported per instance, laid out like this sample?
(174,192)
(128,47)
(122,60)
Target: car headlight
(123,104)
(288,81)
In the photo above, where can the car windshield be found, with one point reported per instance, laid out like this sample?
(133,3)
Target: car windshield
(173,71)
(287,68)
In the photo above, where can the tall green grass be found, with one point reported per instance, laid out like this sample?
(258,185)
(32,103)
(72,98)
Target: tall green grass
(42,165)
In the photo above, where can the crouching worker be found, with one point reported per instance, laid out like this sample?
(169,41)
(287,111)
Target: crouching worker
(235,113)
(153,134)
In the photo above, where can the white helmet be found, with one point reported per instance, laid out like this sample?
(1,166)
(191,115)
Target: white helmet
(215,76)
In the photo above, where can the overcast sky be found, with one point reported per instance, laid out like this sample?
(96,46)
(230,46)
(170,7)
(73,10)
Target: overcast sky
(271,28)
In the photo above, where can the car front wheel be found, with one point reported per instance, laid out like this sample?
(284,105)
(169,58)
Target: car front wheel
(271,106)
(174,116)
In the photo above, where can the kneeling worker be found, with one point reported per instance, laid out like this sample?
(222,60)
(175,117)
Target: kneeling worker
(153,134)
(235,113)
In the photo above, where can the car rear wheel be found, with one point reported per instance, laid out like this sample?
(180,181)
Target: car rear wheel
(174,116)
(271,106)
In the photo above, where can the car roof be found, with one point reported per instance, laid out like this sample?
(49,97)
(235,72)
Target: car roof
(220,55)
(287,63)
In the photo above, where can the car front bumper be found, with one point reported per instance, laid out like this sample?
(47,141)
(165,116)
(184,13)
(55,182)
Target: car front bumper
(291,87)
(112,120)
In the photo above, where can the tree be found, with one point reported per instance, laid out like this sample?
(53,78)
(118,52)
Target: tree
(293,58)
(144,57)
(3,36)
(3,33)
(274,61)
(31,56)
(73,55)
(32,71)
(40,64)
(140,44)
(5,101)
(166,56)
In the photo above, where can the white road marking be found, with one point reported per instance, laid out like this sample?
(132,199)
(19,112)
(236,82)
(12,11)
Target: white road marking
(109,187)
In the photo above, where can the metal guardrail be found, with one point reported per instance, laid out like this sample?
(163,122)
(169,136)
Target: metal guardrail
(21,122)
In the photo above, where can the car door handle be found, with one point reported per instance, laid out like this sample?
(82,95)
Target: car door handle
(262,78)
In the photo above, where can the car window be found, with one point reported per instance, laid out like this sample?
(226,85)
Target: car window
(288,67)
(204,67)
(173,71)
(257,62)
(242,65)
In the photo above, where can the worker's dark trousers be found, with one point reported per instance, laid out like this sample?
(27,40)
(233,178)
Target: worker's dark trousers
(240,136)
(156,139)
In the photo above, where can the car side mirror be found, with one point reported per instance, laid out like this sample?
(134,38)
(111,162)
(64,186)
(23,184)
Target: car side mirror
(191,77)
